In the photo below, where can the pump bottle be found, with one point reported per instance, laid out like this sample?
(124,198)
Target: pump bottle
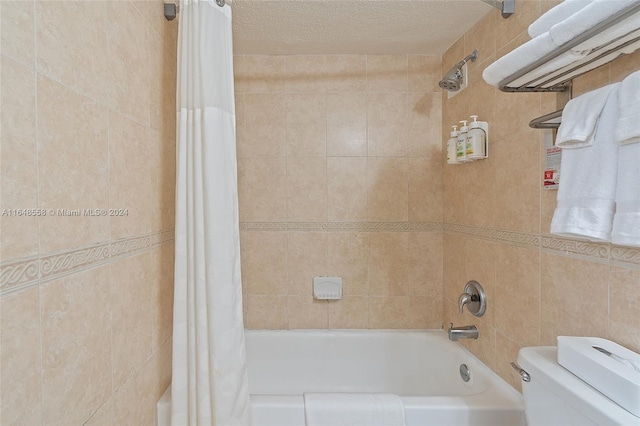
(461,143)
(477,139)
(451,146)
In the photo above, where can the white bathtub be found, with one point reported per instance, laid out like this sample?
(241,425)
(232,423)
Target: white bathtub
(420,366)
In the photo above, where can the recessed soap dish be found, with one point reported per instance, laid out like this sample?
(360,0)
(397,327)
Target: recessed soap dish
(327,288)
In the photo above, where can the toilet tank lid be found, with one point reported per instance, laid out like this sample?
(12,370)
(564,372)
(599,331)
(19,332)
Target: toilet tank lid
(542,365)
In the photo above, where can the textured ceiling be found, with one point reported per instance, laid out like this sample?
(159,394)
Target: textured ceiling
(351,26)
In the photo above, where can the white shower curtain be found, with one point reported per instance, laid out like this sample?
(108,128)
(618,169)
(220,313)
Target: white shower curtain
(209,384)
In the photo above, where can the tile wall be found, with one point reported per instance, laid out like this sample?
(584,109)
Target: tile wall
(88,122)
(339,169)
(497,217)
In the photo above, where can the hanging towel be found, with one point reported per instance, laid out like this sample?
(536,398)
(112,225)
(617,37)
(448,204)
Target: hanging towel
(626,222)
(586,197)
(555,15)
(353,409)
(628,130)
(580,119)
(526,55)
(587,18)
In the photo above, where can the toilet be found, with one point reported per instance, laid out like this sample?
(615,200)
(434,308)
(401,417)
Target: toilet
(554,396)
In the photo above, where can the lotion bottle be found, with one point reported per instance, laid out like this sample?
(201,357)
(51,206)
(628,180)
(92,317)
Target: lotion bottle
(477,139)
(461,144)
(451,146)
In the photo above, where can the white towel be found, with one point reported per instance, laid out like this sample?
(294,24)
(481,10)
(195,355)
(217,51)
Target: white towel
(587,18)
(626,222)
(555,15)
(586,197)
(526,55)
(580,118)
(353,409)
(628,130)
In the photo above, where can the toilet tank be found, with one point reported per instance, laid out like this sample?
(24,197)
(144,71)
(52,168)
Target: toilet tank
(554,396)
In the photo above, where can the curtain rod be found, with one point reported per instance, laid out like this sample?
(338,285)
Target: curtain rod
(171,9)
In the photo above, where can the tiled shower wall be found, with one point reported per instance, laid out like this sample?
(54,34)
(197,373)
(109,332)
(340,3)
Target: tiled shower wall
(88,122)
(339,170)
(497,217)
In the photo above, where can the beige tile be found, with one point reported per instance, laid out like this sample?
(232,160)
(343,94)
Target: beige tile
(74,53)
(480,265)
(482,37)
(518,280)
(306,312)
(387,124)
(508,29)
(592,80)
(307,258)
(307,189)
(20,358)
(424,73)
(18,187)
(389,264)
(72,166)
(346,73)
(519,198)
(387,73)
(162,86)
(129,169)
(153,12)
(259,73)
(131,286)
(425,312)
(388,189)
(264,262)
(484,347)
(266,313)
(574,295)
(132,403)
(480,198)
(425,121)
(454,275)
(104,416)
(263,132)
(453,55)
(389,312)
(347,124)
(515,112)
(348,257)
(425,189)
(350,312)
(76,358)
(623,67)
(506,353)
(161,271)
(262,189)
(305,73)
(624,310)
(128,63)
(426,264)
(306,124)
(481,100)
(161,163)
(16,31)
(347,188)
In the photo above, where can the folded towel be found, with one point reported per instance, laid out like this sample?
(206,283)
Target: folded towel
(587,18)
(626,222)
(526,55)
(580,118)
(628,130)
(586,197)
(627,26)
(555,15)
(353,409)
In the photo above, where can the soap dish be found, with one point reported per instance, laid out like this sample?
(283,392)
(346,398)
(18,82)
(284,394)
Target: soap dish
(613,375)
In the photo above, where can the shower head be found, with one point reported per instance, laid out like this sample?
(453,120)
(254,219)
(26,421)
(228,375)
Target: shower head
(453,78)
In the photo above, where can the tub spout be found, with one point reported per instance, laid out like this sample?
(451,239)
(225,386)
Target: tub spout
(463,300)
(465,332)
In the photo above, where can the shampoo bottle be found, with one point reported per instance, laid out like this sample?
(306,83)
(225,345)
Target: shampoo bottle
(477,139)
(451,147)
(461,144)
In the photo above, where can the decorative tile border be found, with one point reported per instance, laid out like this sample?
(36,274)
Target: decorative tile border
(597,252)
(343,226)
(28,272)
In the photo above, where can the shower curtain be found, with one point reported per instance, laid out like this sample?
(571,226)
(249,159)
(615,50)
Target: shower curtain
(209,384)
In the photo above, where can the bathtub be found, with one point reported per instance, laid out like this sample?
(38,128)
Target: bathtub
(423,367)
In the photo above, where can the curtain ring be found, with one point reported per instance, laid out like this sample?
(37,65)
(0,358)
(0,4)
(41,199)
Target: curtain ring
(220,3)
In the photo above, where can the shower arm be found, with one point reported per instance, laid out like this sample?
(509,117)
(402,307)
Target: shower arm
(506,7)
